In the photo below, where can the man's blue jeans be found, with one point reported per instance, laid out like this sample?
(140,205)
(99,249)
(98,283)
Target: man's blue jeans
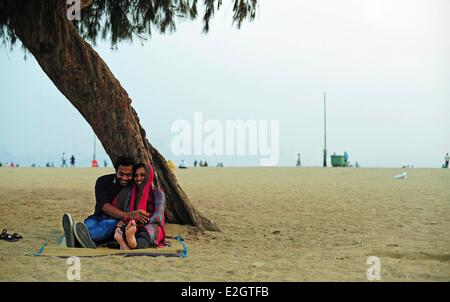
(101,228)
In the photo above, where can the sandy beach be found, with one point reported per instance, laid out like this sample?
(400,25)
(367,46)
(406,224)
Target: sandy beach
(279,224)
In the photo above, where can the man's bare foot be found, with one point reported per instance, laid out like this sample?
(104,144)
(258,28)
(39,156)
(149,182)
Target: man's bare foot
(118,236)
(130,231)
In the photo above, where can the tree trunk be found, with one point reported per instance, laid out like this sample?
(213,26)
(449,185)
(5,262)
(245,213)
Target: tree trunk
(86,81)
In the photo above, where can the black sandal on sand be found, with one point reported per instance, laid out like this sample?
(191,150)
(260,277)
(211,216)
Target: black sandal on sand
(17,236)
(3,234)
(10,238)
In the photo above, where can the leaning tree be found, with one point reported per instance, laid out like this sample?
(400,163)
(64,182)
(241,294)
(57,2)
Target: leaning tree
(60,46)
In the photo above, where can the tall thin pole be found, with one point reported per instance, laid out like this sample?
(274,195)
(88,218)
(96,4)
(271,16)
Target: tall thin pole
(325,129)
(94,146)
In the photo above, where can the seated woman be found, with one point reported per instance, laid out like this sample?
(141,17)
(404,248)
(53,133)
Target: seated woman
(144,196)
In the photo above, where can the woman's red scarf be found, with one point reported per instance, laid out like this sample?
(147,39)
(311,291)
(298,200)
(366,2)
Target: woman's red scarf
(142,194)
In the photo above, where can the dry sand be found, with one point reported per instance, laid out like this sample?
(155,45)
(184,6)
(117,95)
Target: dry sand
(279,224)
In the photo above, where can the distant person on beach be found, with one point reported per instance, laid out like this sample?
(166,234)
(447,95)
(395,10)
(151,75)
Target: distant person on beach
(72,161)
(105,163)
(346,158)
(446,160)
(195,163)
(100,226)
(183,165)
(299,161)
(63,160)
(145,196)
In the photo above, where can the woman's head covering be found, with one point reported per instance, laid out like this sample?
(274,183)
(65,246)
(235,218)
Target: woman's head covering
(140,195)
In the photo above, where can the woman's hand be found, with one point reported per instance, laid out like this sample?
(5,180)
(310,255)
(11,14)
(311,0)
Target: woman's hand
(139,216)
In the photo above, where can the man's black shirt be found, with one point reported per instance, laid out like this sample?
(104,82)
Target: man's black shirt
(106,189)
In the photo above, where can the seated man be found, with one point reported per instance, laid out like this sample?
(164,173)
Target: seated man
(183,165)
(101,225)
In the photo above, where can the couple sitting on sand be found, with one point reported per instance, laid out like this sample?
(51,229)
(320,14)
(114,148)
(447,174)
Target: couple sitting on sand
(129,208)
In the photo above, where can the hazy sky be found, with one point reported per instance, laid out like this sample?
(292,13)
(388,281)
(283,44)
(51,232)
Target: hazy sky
(384,64)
